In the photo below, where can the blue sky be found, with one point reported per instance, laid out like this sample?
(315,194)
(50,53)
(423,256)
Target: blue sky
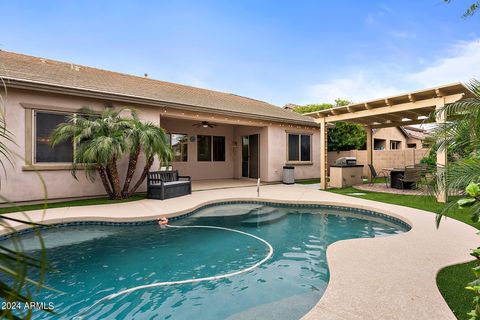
(277,51)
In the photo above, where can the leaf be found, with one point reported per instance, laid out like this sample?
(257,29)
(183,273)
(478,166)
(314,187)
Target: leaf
(473,189)
(466,202)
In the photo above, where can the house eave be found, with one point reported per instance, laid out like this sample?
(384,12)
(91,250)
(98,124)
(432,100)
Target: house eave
(10,82)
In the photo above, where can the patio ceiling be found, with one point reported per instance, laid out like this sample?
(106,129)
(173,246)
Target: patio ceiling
(400,110)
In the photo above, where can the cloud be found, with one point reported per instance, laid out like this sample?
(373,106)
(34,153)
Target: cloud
(462,64)
(357,87)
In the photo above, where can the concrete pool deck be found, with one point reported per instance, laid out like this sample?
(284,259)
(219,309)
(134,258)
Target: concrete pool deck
(381,278)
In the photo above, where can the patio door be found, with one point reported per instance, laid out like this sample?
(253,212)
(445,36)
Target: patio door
(251,156)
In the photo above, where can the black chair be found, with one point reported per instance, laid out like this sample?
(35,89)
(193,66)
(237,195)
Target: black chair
(376,174)
(167,184)
(411,177)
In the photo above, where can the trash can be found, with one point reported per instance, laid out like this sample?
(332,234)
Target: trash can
(288,174)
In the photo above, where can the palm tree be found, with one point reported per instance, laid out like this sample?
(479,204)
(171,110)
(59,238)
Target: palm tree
(471,10)
(460,137)
(15,266)
(153,141)
(102,140)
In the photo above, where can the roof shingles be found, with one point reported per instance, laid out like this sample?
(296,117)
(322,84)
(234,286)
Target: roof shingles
(61,74)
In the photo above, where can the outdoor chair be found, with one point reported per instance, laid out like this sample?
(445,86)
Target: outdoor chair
(423,169)
(376,174)
(411,176)
(167,184)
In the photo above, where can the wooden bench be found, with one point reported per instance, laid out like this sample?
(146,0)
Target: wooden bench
(167,184)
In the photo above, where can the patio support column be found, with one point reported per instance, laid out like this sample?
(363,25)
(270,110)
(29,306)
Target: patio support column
(323,154)
(441,159)
(368,129)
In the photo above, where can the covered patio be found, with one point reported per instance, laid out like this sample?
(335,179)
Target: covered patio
(406,109)
(214,184)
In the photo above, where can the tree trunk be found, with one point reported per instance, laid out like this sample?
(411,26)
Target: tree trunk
(112,172)
(132,165)
(147,167)
(106,183)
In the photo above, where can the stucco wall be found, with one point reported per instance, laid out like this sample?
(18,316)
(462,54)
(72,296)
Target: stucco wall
(22,185)
(396,134)
(277,150)
(200,170)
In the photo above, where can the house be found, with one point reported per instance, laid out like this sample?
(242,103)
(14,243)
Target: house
(215,135)
(394,138)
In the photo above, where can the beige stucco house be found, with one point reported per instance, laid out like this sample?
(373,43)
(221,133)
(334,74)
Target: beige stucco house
(396,138)
(215,135)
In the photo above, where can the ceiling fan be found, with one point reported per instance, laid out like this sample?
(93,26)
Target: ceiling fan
(204,124)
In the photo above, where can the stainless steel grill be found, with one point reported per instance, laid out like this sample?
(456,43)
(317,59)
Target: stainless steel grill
(346,161)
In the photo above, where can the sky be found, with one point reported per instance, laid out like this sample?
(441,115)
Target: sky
(277,51)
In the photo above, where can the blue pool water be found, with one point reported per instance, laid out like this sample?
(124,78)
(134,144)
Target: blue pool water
(94,261)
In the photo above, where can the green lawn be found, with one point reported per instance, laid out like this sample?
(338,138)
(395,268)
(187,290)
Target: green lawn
(419,202)
(73,203)
(451,280)
(308,181)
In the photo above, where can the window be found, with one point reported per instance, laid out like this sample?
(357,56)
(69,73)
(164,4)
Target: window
(45,123)
(299,147)
(209,148)
(379,144)
(204,148)
(179,143)
(305,147)
(412,145)
(395,145)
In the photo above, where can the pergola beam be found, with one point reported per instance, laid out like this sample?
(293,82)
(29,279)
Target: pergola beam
(398,111)
(400,123)
(442,160)
(397,108)
(323,154)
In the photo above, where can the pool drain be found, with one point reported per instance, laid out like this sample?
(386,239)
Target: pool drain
(195,280)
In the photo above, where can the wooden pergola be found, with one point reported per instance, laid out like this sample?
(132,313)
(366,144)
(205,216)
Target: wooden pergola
(400,110)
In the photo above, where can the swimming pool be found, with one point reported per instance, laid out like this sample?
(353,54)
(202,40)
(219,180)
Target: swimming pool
(92,261)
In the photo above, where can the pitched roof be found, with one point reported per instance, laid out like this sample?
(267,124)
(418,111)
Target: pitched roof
(21,68)
(413,132)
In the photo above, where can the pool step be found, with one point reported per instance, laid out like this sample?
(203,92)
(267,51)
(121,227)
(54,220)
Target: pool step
(269,217)
(262,211)
(228,211)
(293,307)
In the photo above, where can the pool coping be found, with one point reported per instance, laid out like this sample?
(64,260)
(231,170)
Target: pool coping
(356,212)
(399,285)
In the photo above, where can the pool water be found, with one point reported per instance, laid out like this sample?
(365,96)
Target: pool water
(93,261)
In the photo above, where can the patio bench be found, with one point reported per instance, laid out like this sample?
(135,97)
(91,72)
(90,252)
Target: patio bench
(167,184)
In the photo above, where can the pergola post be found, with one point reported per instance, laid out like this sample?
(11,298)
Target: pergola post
(368,129)
(442,195)
(323,154)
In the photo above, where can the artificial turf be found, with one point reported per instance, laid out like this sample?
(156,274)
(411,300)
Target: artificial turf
(62,204)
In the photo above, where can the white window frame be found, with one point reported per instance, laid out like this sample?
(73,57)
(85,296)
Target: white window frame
(170,142)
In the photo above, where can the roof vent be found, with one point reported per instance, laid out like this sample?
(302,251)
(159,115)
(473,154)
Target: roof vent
(145,75)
